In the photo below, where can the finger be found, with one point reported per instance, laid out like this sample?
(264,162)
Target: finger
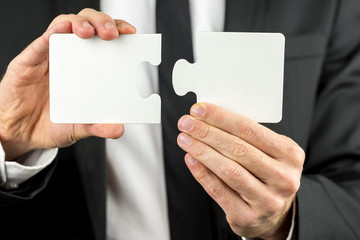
(239,213)
(38,50)
(60,19)
(104,25)
(255,161)
(125,27)
(228,200)
(80,26)
(266,140)
(277,176)
(233,174)
(237,207)
(81,131)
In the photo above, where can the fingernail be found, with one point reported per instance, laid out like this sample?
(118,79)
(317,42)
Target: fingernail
(192,161)
(184,139)
(125,25)
(86,24)
(109,26)
(198,111)
(186,124)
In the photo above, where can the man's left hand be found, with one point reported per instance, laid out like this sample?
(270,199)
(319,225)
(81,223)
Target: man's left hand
(252,172)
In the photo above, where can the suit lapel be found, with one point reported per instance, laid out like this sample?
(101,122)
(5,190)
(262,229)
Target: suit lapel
(90,154)
(245,15)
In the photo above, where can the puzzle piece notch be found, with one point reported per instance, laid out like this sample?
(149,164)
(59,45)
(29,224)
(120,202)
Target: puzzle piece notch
(242,72)
(94,81)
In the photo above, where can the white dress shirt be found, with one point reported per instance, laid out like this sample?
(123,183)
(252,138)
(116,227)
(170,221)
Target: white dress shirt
(136,193)
(137,157)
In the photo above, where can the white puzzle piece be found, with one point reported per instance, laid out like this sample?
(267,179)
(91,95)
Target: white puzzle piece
(94,81)
(242,72)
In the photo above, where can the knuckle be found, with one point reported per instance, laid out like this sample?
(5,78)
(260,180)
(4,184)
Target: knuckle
(216,190)
(292,186)
(203,132)
(86,10)
(198,150)
(231,170)
(61,16)
(230,219)
(220,119)
(283,143)
(202,175)
(274,204)
(248,129)
(300,156)
(238,149)
(233,221)
(249,220)
(289,182)
(296,153)
(13,68)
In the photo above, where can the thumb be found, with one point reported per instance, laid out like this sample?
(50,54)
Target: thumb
(38,50)
(99,130)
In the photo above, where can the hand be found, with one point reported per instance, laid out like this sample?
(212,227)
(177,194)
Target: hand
(24,90)
(252,172)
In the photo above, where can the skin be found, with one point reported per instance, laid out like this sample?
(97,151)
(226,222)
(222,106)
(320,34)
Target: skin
(24,91)
(252,172)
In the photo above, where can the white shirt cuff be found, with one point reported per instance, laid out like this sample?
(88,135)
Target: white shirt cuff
(13,173)
(291,232)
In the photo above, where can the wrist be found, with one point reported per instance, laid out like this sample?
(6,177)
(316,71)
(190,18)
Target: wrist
(13,149)
(11,142)
(283,224)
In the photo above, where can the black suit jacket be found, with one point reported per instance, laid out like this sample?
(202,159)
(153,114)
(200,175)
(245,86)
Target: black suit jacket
(321,113)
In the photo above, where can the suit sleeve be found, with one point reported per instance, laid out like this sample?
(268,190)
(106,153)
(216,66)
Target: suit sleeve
(329,196)
(28,189)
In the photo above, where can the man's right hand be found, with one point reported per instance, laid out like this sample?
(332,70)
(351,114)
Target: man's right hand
(24,91)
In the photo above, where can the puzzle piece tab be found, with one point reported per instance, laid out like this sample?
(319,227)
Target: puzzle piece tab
(242,72)
(94,81)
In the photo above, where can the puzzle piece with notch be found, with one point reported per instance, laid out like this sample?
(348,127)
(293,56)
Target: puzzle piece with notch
(242,72)
(94,81)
